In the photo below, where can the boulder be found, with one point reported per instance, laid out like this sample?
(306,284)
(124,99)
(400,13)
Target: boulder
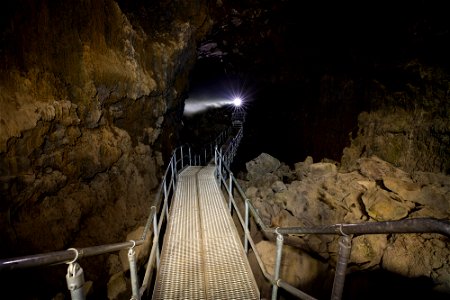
(117,287)
(297,267)
(261,165)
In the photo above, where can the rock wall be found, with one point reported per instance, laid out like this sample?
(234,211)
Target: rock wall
(91,94)
(407,122)
(321,194)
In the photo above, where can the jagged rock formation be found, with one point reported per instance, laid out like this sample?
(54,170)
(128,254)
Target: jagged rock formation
(322,193)
(324,65)
(410,126)
(91,97)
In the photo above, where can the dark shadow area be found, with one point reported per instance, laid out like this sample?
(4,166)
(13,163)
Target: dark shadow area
(33,283)
(382,284)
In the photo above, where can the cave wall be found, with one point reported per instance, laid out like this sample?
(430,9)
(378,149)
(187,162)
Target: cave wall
(372,79)
(407,121)
(91,95)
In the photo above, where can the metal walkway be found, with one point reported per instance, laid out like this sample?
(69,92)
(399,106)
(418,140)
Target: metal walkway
(202,255)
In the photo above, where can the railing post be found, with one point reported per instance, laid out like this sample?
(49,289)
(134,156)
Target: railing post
(133,273)
(173,173)
(246,225)
(215,155)
(190,162)
(75,279)
(276,275)
(182,157)
(156,233)
(165,197)
(230,192)
(345,247)
(220,165)
(205,157)
(175,160)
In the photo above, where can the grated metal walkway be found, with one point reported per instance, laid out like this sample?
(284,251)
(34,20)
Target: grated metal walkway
(202,255)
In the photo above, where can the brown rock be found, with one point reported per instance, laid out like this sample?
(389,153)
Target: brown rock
(142,251)
(297,268)
(381,206)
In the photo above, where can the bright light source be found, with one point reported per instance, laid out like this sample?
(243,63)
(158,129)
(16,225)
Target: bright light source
(237,101)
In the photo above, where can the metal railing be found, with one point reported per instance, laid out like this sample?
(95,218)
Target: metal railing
(345,231)
(159,213)
(205,154)
(71,256)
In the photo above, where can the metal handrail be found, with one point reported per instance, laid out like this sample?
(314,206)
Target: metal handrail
(71,255)
(60,257)
(345,231)
(180,159)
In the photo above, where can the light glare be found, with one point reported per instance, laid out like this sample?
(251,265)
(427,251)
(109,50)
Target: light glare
(237,101)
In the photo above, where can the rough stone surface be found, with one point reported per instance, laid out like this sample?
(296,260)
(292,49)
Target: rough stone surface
(403,138)
(90,105)
(141,251)
(373,190)
(262,165)
(297,268)
(91,95)
(118,287)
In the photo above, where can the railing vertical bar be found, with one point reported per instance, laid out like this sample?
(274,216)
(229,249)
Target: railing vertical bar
(246,225)
(75,281)
(166,198)
(345,246)
(190,161)
(277,266)
(133,274)
(182,157)
(149,267)
(230,192)
(156,232)
(174,173)
(215,156)
(220,165)
(175,161)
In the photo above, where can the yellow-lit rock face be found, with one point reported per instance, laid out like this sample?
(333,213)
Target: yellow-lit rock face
(88,92)
(375,191)
(381,205)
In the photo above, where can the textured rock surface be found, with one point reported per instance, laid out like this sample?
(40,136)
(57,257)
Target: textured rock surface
(408,127)
(297,268)
(91,97)
(375,190)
